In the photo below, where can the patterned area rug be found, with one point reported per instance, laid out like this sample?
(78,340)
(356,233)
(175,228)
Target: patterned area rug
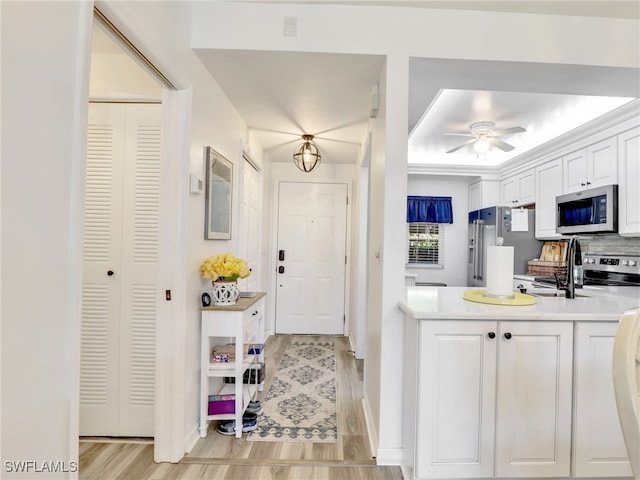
(300,405)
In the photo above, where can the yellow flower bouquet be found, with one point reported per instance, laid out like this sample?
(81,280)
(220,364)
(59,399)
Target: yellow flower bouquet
(224,267)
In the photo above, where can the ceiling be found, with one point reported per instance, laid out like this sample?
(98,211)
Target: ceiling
(282,95)
(447,96)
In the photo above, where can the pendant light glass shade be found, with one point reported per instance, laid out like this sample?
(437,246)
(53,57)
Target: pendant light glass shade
(307,156)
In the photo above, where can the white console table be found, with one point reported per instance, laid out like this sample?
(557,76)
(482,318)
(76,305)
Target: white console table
(242,323)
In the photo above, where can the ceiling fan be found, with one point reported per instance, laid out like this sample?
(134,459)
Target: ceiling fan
(484,135)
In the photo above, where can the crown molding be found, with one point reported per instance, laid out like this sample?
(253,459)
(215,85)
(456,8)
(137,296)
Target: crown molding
(598,129)
(453,170)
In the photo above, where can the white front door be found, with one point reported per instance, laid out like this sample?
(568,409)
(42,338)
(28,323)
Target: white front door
(311,263)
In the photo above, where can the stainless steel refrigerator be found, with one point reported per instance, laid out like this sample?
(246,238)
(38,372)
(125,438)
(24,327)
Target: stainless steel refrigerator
(516,228)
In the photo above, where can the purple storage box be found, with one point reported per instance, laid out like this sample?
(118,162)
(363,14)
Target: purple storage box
(255,349)
(222,404)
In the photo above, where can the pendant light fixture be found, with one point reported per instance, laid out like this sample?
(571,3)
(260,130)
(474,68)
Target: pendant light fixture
(307,156)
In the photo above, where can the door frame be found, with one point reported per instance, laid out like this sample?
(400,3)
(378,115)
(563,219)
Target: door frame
(273,241)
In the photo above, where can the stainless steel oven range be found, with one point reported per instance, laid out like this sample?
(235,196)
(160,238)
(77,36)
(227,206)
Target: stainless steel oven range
(605,270)
(611,270)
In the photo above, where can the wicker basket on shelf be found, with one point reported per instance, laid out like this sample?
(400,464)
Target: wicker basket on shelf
(551,260)
(539,268)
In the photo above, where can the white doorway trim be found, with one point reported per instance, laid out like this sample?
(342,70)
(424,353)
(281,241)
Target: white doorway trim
(170,327)
(273,248)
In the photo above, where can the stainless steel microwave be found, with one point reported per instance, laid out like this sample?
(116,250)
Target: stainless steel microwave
(588,211)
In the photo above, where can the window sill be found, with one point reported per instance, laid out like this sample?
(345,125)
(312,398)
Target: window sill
(420,266)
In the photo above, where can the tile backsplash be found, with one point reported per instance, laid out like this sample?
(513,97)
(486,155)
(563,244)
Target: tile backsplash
(610,244)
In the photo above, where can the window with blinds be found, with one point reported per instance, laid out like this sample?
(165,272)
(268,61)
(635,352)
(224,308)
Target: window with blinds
(424,243)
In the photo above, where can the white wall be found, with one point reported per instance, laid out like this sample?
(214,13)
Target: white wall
(375,224)
(454,273)
(44,97)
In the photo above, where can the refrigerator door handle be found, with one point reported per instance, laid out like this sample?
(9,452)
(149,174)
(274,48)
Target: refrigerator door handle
(479,248)
(475,249)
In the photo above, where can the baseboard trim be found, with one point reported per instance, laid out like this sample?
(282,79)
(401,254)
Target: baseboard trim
(390,456)
(352,344)
(371,426)
(191,439)
(272,462)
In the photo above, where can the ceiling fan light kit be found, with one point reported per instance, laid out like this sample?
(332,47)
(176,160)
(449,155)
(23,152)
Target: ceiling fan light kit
(482,145)
(484,135)
(307,156)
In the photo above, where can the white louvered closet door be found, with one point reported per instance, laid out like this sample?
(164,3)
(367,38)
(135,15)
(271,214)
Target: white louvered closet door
(120,261)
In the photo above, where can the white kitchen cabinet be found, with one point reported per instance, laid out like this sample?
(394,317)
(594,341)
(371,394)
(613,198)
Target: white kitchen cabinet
(629,185)
(487,406)
(242,323)
(483,194)
(591,167)
(518,189)
(599,449)
(533,405)
(548,186)
(456,400)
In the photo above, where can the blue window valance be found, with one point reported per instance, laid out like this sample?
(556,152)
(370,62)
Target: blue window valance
(429,209)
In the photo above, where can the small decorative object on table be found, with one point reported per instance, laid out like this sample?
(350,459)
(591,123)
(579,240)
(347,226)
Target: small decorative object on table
(206,299)
(224,270)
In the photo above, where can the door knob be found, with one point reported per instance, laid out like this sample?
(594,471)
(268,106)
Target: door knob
(491,334)
(110,272)
(507,335)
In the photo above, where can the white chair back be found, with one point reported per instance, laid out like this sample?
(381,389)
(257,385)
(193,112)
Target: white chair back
(626,383)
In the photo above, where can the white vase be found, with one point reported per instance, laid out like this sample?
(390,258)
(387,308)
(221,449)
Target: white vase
(224,293)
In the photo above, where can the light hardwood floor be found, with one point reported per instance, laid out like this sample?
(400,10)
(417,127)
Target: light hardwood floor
(227,458)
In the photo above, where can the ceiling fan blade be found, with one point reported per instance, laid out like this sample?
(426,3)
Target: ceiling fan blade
(504,131)
(460,134)
(455,149)
(505,147)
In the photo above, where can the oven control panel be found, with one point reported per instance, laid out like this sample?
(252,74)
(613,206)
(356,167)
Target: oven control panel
(612,263)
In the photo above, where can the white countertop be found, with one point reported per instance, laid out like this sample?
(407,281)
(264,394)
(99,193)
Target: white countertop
(446,303)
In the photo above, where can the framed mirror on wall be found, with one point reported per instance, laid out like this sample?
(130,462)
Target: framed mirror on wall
(219,180)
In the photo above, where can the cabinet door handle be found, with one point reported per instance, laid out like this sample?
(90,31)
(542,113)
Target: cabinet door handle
(491,334)
(255,313)
(507,335)
(110,272)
